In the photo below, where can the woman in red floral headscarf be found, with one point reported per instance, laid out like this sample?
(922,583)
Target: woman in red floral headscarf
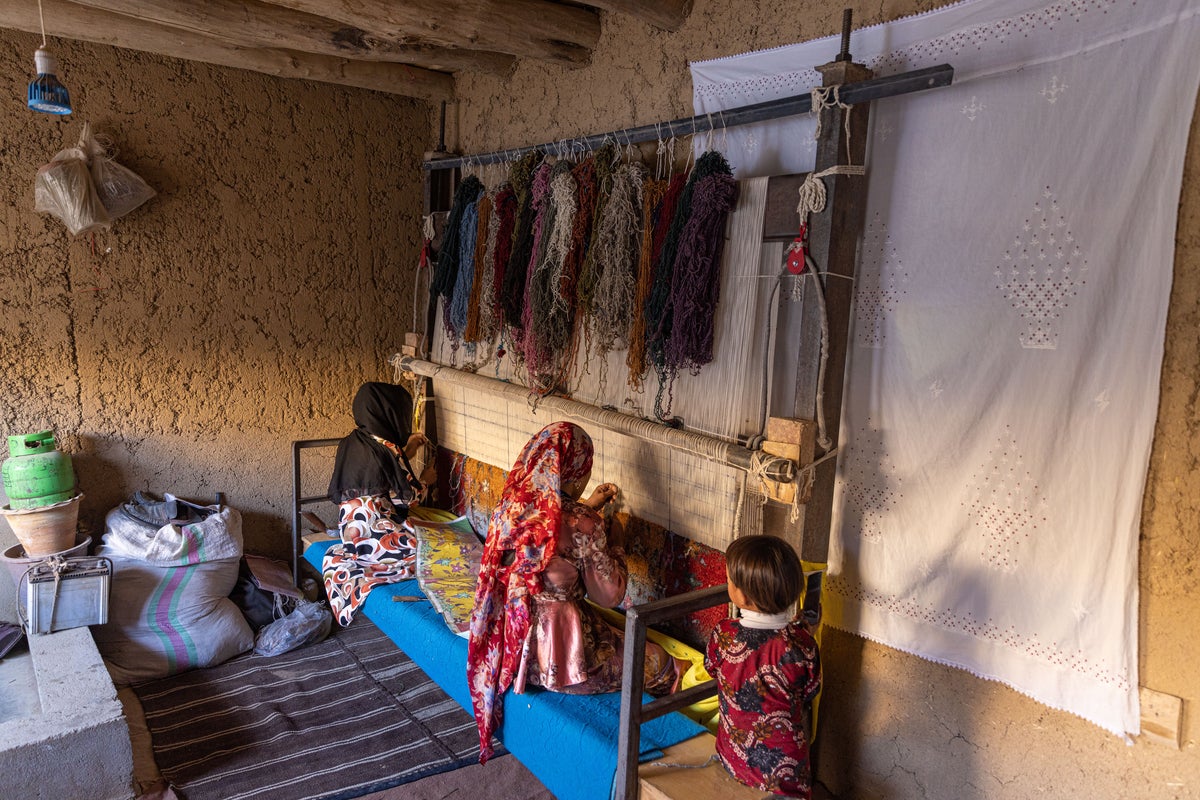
(545,550)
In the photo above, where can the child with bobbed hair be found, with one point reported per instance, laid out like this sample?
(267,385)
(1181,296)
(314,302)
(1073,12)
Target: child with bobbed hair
(767,670)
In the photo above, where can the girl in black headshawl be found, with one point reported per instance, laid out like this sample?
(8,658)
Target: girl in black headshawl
(373,485)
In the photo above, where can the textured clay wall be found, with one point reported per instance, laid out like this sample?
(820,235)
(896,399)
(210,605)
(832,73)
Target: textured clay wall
(895,726)
(187,347)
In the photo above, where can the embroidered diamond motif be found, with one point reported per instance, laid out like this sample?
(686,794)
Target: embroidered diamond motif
(1039,277)
(880,285)
(1006,506)
(870,484)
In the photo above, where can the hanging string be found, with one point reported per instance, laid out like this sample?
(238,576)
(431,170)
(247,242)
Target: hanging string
(812,192)
(468,240)
(479,314)
(616,259)
(586,284)
(524,341)
(659,317)
(424,275)
(446,274)
(566,338)
(820,102)
(549,310)
(484,211)
(652,196)
(664,214)
(811,273)
(512,292)
(504,214)
(696,282)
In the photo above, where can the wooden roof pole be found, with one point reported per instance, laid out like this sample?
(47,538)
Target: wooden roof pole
(71,21)
(257,24)
(532,28)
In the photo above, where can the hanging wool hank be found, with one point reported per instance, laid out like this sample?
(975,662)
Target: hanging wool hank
(606,158)
(616,260)
(696,284)
(543,213)
(471,331)
(468,238)
(504,217)
(652,196)
(562,336)
(550,311)
(512,292)
(446,273)
(659,316)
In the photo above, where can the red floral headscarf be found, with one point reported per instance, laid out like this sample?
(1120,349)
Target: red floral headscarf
(524,532)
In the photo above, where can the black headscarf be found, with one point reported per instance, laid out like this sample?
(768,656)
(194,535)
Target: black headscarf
(363,466)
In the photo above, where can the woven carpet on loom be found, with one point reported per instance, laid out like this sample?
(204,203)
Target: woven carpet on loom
(339,719)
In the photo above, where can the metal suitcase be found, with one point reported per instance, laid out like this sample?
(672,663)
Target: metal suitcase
(66,593)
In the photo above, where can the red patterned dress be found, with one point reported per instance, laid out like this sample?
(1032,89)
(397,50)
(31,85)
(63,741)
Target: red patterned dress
(766,680)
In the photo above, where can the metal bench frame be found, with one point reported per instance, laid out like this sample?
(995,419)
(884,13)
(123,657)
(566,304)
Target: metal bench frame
(633,679)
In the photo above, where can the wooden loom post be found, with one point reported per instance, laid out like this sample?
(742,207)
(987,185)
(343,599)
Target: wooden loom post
(834,235)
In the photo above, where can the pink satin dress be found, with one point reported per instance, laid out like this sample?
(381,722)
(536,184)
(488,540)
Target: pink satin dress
(572,649)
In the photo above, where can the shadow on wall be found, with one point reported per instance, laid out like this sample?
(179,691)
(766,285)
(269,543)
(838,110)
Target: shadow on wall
(884,725)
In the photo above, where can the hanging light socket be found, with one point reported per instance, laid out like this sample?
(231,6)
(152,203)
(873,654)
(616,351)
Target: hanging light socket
(46,92)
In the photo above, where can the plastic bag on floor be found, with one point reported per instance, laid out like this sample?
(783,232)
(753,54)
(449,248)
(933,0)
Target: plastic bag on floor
(309,623)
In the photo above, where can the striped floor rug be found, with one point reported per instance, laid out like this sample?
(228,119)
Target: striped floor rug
(335,720)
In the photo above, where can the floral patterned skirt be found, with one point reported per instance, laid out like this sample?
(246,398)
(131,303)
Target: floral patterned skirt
(377,547)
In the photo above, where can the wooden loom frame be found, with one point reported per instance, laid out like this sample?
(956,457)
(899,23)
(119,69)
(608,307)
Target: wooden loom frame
(833,236)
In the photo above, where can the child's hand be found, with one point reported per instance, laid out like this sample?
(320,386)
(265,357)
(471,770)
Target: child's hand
(601,496)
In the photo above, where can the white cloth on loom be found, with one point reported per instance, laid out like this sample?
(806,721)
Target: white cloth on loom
(683,492)
(1010,310)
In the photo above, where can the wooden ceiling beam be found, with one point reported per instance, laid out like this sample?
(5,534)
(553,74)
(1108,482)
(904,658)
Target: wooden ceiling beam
(256,24)
(665,14)
(524,28)
(72,21)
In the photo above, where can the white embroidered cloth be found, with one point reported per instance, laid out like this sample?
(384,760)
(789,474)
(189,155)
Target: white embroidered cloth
(1010,311)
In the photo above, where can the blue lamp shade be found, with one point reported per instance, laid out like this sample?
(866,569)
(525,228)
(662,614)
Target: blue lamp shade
(46,93)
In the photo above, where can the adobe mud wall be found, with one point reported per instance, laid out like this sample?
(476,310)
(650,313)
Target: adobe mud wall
(238,310)
(895,726)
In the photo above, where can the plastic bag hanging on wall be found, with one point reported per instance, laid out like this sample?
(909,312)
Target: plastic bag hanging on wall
(64,189)
(85,189)
(120,189)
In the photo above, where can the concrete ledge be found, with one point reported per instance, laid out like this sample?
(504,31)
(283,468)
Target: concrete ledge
(78,745)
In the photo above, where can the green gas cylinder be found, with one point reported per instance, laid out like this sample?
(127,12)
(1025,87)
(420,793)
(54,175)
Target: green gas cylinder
(36,474)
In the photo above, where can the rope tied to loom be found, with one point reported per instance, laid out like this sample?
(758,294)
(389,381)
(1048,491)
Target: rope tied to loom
(820,102)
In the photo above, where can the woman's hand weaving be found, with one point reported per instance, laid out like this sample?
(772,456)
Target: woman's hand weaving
(601,496)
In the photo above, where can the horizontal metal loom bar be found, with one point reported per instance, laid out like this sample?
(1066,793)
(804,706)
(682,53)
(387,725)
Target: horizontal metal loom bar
(850,94)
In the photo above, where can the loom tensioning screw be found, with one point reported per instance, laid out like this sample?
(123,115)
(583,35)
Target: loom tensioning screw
(847,16)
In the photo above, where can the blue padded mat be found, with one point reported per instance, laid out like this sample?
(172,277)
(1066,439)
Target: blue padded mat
(568,742)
